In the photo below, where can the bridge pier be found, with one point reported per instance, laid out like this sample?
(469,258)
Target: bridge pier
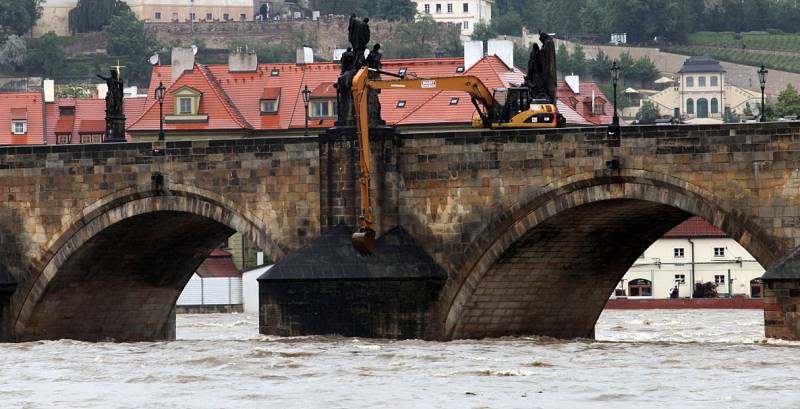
(782,299)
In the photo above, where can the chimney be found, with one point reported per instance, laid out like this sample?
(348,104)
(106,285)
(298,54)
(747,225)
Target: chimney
(503,49)
(574,83)
(102,90)
(243,61)
(182,60)
(49,90)
(305,55)
(473,52)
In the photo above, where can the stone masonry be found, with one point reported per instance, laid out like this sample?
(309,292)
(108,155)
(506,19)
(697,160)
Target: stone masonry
(533,228)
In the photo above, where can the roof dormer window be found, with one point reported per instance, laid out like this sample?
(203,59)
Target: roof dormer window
(270,100)
(454,101)
(401,104)
(275,72)
(186,103)
(459,70)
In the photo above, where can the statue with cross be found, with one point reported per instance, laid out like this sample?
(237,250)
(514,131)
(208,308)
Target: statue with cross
(115,116)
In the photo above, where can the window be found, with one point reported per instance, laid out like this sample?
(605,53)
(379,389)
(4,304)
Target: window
(680,278)
(466,7)
(714,106)
(324,108)
(174,16)
(401,104)
(428,8)
(19,127)
(689,82)
(701,82)
(449,7)
(454,101)
(185,106)
(689,106)
(158,15)
(63,139)
(192,16)
(756,288)
(719,279)
(438,8)
(714,81)
(640,288)
(242,17)
(269,106)
(678,252)
(226,16)
(719,251)
(465,26)
(209,17)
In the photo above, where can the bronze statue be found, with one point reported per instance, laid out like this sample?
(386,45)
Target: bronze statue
(359,35)
(374,61)
(534,80)
(548,65)
(352,60)
(348,59)
(114,94)
(374,104)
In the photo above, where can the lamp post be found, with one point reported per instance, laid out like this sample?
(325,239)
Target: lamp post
(160,97)
(306,97)
(762,78)
(615,79)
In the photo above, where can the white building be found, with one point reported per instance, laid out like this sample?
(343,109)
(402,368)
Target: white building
(701,93)
(464,12)
(694,251)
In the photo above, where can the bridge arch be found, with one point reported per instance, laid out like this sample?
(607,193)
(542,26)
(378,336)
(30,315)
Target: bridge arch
(568,245)
(115,270)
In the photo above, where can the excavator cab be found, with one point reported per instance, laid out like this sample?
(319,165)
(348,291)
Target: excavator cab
(514,108)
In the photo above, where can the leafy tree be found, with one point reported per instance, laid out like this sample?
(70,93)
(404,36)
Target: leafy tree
(730,117)
(648,113)
(93,15)
(13,53)
(394,10)
(788,102)
(483,32)
(128,41)
(508,24)
(578,60)
(18,16)
(412,40)
(644,69)
(564,63)
(45,55)
(600,67)
(451,45)
(705,290)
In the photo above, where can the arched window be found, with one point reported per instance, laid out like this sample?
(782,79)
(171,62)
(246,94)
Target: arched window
(714,106)
(756,288)
(690,106)
(689,81)
(701,81)
(640,288)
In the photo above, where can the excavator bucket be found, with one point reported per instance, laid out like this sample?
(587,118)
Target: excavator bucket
(364,241)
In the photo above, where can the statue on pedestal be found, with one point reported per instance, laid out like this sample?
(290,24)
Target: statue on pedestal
(541,78)
(352,60)
(374,104)
(115,113)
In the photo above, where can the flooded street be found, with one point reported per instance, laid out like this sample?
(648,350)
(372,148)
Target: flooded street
(641,359)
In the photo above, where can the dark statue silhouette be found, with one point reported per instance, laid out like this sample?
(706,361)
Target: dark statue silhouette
(541,78)
(352,60)
(115,116)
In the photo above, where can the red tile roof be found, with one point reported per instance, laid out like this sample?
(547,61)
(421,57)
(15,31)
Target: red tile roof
(84,110)
(237,95)
(582,103)
(92,126)
(695,227)
(218,264)
(65,125)
(21,105)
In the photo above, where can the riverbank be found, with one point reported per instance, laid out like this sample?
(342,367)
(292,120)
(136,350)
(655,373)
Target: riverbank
(735,303)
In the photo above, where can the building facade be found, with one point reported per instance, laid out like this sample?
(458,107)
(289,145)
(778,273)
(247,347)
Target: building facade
(693,252)
(55,17)
(464,12)
(701,94)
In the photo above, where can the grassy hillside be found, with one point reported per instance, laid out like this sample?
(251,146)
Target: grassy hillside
(753,40)
(790,63)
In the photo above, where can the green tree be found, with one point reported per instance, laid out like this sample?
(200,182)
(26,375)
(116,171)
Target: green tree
(483,32)
(18,16)
(412,40)
(128,41)
(93,15)
(394,10)
(644,69)
(13,53)
(788,102)
(648,113)
(578,60)
(451,45)
(45,55)
(508,24)
(564,62)
(600,67)
(730,117)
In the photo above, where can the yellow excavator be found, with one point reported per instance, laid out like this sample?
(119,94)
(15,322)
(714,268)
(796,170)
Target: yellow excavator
(510,107)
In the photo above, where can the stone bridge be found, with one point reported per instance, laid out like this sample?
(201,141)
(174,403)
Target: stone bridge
(534,228)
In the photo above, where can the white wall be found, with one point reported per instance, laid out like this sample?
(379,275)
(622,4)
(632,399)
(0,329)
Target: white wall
(659,265)
(250,288)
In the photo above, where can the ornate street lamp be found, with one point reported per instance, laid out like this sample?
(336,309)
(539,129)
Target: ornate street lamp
(615,79)
(160,91)
(762,78)
(306,98)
